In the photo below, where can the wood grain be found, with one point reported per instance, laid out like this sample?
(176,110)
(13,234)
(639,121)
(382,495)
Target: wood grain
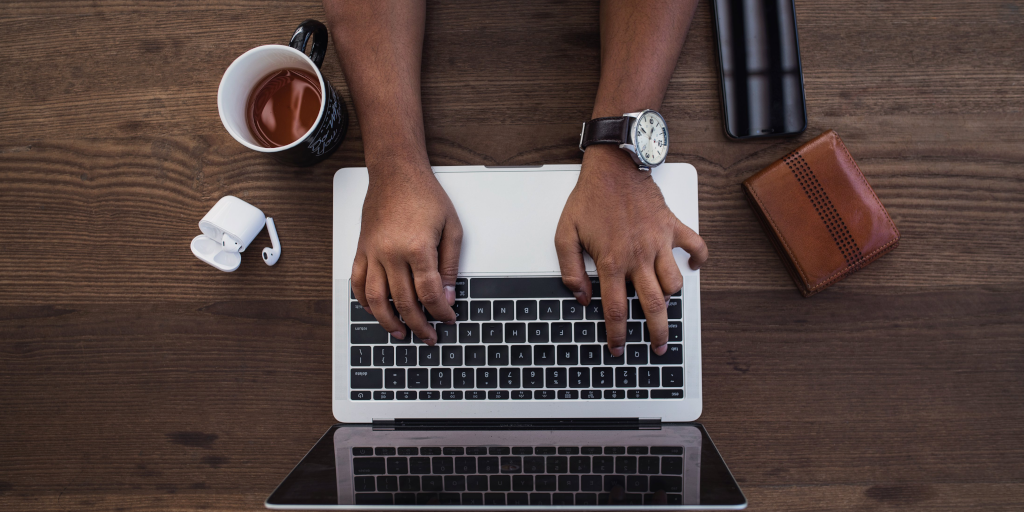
(133,376)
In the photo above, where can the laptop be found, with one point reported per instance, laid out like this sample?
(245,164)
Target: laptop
(520,404)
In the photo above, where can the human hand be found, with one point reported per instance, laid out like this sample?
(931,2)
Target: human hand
(408,248)
(618,215)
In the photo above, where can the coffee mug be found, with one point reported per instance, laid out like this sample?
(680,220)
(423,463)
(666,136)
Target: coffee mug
(247,70)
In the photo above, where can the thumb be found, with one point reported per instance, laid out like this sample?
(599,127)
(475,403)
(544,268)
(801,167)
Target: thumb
(448,257)
(570,260)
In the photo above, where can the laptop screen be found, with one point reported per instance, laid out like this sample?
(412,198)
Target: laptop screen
(670,466)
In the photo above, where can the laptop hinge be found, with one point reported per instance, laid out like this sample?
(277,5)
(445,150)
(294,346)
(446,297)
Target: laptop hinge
(519,424)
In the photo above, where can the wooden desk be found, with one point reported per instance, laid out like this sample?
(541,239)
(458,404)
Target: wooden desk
(133,376)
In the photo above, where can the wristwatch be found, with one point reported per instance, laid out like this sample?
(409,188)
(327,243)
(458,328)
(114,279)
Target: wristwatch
(644,135)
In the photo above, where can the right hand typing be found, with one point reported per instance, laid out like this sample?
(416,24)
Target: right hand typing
(409,250)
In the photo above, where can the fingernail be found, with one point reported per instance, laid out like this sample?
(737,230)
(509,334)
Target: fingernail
(398,334)
(660,349)
(579,296)
(616,351)
(449,295)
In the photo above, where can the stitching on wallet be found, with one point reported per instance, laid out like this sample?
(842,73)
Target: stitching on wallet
(827,212)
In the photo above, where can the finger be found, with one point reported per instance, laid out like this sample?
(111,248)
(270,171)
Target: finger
(429,286)
(615,306)
(448,261)
(669,277)
(652,300)
(692,243)
(570,260)
(359,280)
(377,298)
(403,293)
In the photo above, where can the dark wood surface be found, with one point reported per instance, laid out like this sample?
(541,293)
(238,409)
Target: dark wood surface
(133,376)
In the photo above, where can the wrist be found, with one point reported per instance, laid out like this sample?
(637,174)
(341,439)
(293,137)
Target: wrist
(609,164)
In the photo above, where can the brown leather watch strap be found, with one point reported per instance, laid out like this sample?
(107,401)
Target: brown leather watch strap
(605,130)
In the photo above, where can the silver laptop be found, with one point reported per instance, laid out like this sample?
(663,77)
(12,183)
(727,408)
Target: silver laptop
(520,404)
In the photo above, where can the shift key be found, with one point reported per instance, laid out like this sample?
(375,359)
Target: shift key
(368,333)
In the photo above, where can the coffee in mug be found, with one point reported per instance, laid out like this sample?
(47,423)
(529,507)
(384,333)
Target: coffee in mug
(274,100)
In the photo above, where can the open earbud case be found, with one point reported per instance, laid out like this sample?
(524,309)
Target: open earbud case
(230,220)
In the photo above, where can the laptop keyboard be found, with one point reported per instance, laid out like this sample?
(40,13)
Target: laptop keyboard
(518,475)
(517,339)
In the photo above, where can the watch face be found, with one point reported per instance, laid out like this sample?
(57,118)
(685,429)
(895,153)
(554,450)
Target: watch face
(651,137)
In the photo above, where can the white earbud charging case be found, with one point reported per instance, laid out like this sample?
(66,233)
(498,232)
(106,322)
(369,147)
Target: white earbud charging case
(239,220)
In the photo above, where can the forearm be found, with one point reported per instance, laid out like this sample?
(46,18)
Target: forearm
(640,44)
(380,43)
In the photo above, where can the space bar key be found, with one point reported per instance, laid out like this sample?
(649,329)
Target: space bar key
(517,287)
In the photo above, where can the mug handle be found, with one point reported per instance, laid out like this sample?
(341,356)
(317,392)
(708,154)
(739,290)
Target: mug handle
(301,36)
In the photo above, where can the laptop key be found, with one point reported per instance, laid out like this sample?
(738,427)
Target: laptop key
(430,395)
(441,378)
(549,310)
(568,355)
(579,464)
(361,452)
(368,334)
(432,483)
(595,311)
(522,394)
(509,378)
(364,484)
(675,331)
(446,333)
(405,356)
(368,465)
(512,464)
(591,354)
(476,482)
(625,377)
(518,498)
(494,499)
(583,332)
(602,377)
(488,465)
(475,356)
(636,353)
(532,465)
(568,483)
(409,483)
(522,483)
(561,332)
(614,394)
(604,464)
(383,356)
(463,378)
(560,498)
(672,377)
(449,498)
(387,483)
(526,310)
(472,498)
(666,483)
(491,333)
(461,308)
(461,288)
(515,333)
(637,310)
(497,395)
(405,498)
(358,314)
(486,378)
(504,310)
(427,498)
(545,482)
(455,483)
(480,310)
(397,465)
(500,483)
(374,498)
(522,355)
(451,395)
(579,378)
(586,498)
(636,393)
(533,378)
(671,465)
(591,483)
(648,466)
(625,464)
(590,394)
(476,395)
(544,355)
(537,332)
(451,355)
(555,377)
(469,333)
(557,464)
(609,359)
(544,394)
(497,355)
(405,395)
(360,356)
(430,356)
(673,355)
(649,377)
(383,395)
(540,498)
(372,378)
(568,394)
(417,378)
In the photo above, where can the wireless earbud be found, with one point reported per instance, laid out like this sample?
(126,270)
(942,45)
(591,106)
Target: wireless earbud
(272,254)
(229,244)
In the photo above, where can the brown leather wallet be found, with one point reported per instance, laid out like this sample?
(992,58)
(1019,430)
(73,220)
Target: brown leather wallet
(820,213)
